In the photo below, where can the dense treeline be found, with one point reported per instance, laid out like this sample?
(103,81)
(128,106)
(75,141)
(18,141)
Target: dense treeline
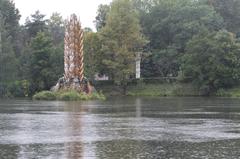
(193,41)
(31,55)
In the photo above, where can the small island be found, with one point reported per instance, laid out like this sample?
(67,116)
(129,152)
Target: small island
(73,86)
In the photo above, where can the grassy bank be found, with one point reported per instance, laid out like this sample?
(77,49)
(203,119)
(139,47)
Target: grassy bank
(140,89)
(233,92)
(165,90)
(67,96)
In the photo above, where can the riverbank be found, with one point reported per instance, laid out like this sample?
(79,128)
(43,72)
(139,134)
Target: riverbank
(233,92)
(161,90)
(166,90)
(108,90)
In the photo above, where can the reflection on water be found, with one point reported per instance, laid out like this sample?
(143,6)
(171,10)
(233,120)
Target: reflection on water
(121,128)
(74,150)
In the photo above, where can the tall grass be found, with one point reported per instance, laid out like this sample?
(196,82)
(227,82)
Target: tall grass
(67,96)
(166,89)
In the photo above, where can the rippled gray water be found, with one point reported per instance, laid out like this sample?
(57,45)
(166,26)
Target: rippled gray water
(130,128)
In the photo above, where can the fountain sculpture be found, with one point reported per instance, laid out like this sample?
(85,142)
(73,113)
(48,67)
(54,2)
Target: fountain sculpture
(73,59)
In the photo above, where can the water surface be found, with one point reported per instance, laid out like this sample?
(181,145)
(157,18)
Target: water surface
(131,128)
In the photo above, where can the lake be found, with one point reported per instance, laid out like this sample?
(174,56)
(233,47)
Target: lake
(127,128)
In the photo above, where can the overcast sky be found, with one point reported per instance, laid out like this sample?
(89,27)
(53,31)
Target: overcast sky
(85,9)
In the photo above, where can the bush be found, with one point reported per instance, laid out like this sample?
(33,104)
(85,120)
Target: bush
(174,89)
(3,90)
(103,83)
(14,89)
(212,60)
(223,93)
(160,80)
(19,88)
(98,96)
(45,95)
(68,96)
(233,92)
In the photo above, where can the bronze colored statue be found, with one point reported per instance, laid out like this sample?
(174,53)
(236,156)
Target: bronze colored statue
(73,59)
(73,50)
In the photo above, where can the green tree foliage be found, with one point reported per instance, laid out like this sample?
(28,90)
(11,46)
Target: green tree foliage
(171,24)
(36,23)
(213,60)
(165,62)
(92,54)
(9,26)
(40,68)
(27,57)
(25,62)
(143,6)
(229,10)
(121,39)
(100,20)
(11,17)
(57,62)
(87,30)
(56,30)
(8,61)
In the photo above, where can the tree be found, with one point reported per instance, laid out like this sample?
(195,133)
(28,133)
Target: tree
(11,17)
(100,20)
(229,10)
(171,24)
(122,38)
(25,63)
(87,30)
(9,46)
(8,61)
(56,28)
(36,23)
(41,67)
(212,61)
(11,22)
(92,54)
(143,6)
(57,62)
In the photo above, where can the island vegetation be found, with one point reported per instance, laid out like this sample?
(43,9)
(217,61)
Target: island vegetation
(188,48)
(68,96)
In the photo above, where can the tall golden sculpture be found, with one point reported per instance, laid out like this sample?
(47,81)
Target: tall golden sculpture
(73,59)
(73,50)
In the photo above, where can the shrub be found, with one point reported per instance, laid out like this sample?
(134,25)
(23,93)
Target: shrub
(98,96)
(45,95)
(68,96)
(14,89)
(19,88)
(233,92)
(212,60)
(222,93)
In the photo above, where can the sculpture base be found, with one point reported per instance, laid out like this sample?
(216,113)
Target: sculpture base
(83,86)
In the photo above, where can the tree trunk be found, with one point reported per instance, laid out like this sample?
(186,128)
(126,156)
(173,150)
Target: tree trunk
(124,87)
